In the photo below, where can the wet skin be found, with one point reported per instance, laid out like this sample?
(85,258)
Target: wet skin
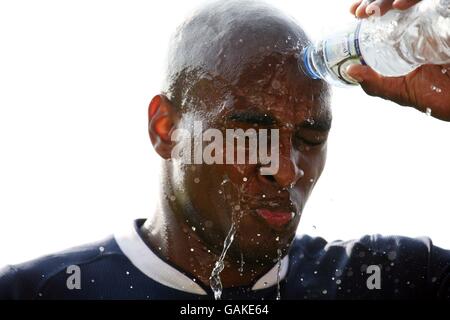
(255,83)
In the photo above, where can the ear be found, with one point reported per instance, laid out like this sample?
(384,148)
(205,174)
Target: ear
(162,120)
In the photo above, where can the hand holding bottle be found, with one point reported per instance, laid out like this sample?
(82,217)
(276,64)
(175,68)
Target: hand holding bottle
(426,88)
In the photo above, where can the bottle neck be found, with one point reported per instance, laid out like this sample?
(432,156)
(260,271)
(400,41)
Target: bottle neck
(329,58)
(306,64)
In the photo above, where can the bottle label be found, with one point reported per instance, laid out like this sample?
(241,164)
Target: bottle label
(340,51)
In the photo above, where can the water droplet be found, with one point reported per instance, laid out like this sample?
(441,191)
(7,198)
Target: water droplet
(127,273)
(131,287)
(172,198)
(289,125)
(92,280)
(434,88)
(193,228)
(277,239)
(245,179)
(310,121)
(241,267)
(276,84)
(392,255)
(197,180)
(444,70)
(220,191)
(263,196)
(338,281)
(315,272)
(192,249)
(101,249)
(258,234)
(324,291)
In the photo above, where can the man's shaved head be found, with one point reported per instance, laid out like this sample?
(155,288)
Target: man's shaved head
(225,44)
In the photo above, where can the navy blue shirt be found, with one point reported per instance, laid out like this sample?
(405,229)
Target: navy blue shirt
(123,267)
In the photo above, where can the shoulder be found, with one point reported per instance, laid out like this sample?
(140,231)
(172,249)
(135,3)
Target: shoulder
(27,280)
(409,267)
(375,244)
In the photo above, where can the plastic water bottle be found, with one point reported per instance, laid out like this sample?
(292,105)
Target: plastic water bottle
(393,45)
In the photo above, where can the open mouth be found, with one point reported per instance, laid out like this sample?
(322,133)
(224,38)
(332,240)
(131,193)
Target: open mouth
(275,219)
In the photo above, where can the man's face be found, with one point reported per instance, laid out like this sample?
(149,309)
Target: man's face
(266,209)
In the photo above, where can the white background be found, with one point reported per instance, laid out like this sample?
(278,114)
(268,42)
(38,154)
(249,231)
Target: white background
(75,159)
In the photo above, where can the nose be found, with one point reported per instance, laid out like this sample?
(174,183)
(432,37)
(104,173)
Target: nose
(288,172)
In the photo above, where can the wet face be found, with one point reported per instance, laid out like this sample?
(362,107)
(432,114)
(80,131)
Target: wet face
(268,94)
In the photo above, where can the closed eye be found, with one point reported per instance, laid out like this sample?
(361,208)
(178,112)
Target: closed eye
(311,139)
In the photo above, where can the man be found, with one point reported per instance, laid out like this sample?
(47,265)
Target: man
(228,230)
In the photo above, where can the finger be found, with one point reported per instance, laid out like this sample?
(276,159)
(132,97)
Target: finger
(376,85)
(359,72)
(404,4)
(379,7)
(360,11)
(355,6)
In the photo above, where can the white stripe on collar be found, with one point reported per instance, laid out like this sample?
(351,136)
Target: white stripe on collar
(140,255)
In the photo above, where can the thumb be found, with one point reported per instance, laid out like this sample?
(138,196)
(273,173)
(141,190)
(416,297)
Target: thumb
(361,73)
(373,83)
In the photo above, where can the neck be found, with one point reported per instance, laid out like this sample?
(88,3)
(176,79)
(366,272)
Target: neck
(169,234)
